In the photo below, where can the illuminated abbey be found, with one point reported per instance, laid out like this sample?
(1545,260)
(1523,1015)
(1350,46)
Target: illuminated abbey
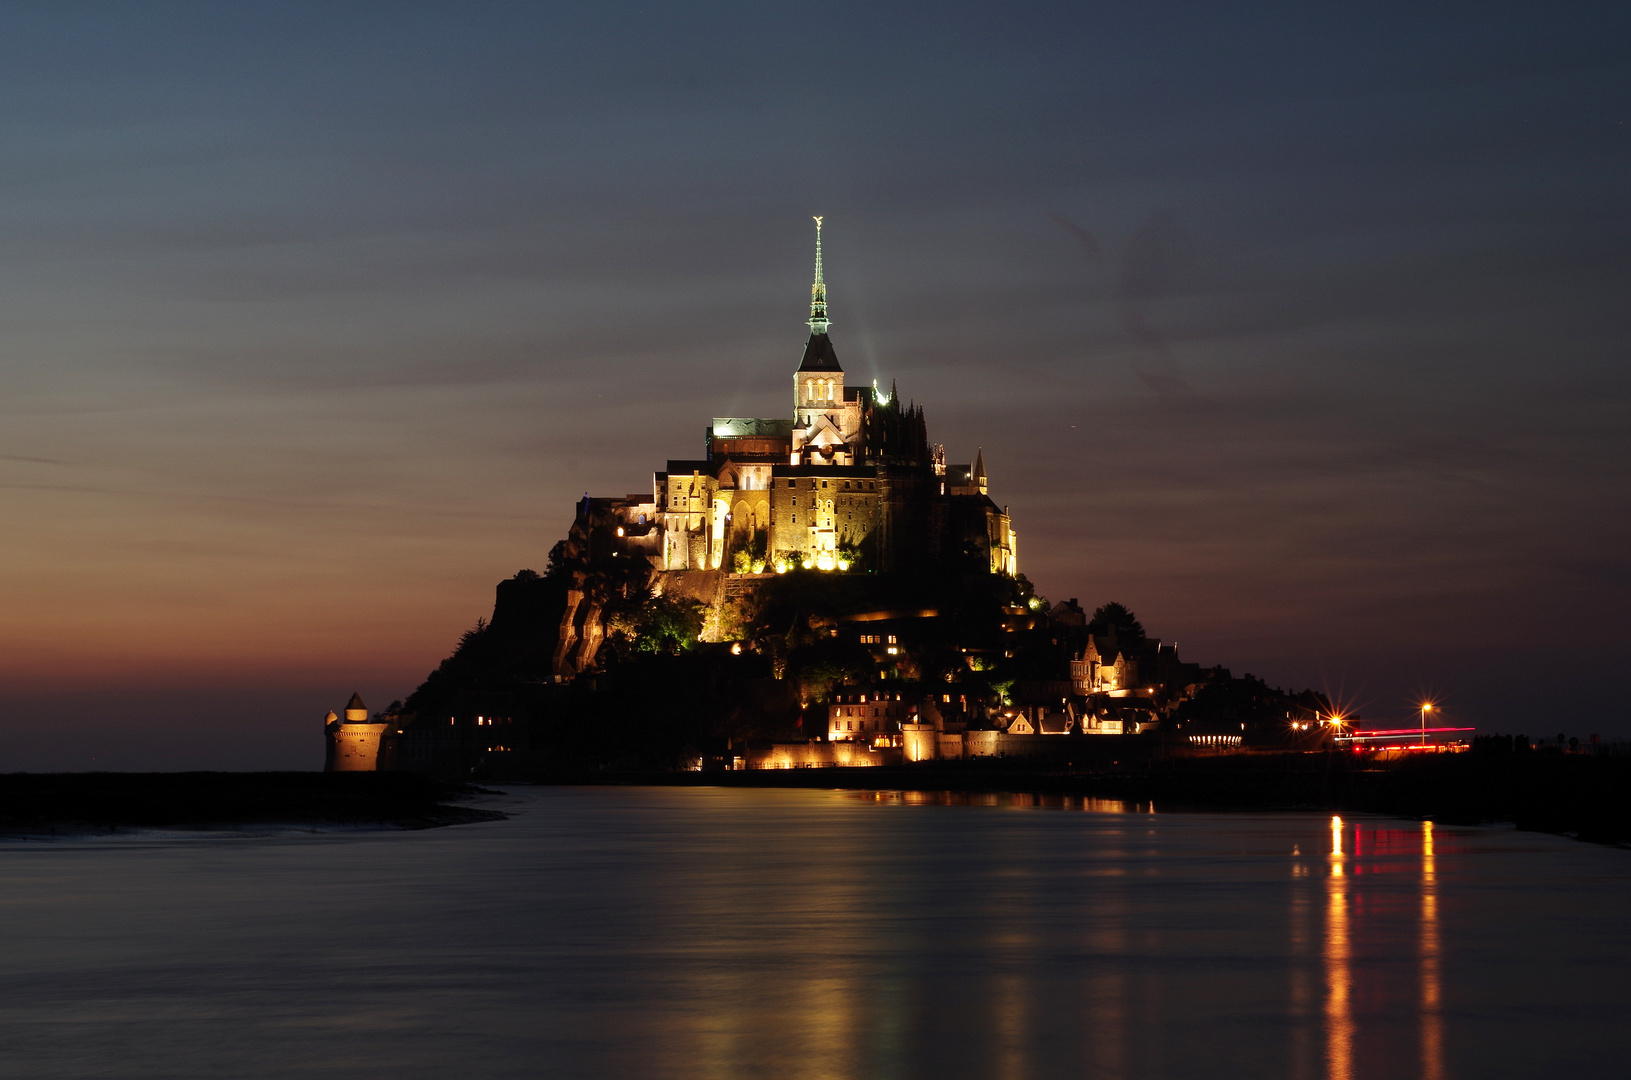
(820,589)
(848,481)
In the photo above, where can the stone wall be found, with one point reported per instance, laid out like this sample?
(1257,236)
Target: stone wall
(815,755)
(920,741)
(358,748)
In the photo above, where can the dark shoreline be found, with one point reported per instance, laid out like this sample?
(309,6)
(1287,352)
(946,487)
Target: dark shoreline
(1573,795)
(1580,796)
(36,803)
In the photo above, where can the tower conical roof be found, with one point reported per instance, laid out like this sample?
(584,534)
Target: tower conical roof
(818,355)
(356,703)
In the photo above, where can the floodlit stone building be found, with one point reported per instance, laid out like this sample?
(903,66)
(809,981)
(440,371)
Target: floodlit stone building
(848,482)
(357,743)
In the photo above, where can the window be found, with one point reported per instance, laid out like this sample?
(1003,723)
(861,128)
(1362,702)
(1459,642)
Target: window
(823,483)
(792,483)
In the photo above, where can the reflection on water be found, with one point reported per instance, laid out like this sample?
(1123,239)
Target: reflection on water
(1432,1035)
(1003,798)
(728,934)
(1338,965)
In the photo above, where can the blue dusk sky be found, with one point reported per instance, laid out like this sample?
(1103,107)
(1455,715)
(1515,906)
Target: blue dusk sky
(1301,329)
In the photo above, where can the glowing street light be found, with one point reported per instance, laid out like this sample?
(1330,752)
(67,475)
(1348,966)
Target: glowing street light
(1426,707)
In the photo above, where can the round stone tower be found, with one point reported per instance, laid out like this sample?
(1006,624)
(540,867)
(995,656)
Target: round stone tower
(355,744)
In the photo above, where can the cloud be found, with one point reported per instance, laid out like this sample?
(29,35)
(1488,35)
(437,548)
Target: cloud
(1147,270)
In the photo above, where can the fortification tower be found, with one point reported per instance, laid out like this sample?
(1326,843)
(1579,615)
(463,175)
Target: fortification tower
(357,744)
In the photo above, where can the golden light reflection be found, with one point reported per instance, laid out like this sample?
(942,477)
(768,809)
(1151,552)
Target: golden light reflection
(1303,1009)
(1009,800)
(1432,1020)
(828,1028)
(1106,995)
(1338,967)
(1009,1007)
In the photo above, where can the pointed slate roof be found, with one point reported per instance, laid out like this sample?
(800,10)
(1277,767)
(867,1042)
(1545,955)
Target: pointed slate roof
(356,702)
(818,355)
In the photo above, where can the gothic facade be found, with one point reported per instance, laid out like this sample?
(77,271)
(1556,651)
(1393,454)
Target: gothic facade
(848,482)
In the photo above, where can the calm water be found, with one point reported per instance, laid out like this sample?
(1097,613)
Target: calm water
(717,933)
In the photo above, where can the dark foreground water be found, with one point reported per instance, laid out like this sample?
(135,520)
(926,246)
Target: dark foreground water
(734,933)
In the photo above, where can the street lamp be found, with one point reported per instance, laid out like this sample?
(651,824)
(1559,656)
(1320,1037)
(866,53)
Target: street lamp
(1426,707)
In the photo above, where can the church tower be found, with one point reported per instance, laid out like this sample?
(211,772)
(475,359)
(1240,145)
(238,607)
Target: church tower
(826,416)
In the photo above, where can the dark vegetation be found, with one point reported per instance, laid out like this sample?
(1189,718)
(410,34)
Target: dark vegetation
(656,695)
(33,802)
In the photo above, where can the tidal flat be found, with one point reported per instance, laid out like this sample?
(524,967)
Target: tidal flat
(685,932)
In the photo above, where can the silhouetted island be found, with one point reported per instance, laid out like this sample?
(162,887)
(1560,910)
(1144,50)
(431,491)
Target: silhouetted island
(821,599)
(823,589)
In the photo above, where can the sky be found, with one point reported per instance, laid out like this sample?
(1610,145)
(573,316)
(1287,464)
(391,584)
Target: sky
(1302,330)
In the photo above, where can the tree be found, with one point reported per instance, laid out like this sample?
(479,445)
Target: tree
(1119,618)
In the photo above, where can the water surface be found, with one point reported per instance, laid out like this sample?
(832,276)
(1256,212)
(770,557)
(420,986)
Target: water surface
(728,933)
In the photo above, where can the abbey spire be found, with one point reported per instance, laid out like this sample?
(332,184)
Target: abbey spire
(818,291)
(818,354)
